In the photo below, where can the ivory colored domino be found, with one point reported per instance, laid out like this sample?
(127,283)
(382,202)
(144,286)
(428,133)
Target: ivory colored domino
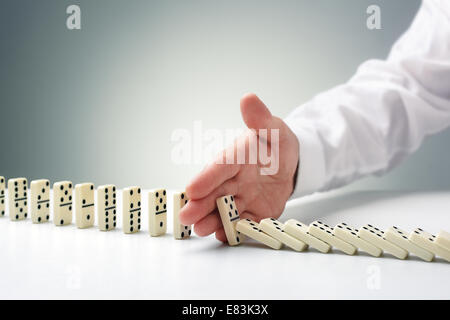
(84,205)
(400,238)
(106,207)
(131,210)
(427,241)
(350,235)
(250,229)
(376,237)
(180,231)
(62,203)
(322,231)
(40,200)
(2,196)
(300,231)
(229,215)
(17,196)
(157,212)
(443,239)
(274,228)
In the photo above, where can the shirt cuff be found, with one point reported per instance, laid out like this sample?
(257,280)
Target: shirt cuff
(311,169)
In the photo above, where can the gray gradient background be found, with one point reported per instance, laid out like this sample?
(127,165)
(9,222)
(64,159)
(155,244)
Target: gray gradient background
(100,104)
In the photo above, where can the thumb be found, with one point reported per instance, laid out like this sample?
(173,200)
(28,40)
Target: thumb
(255,113)
(257,116)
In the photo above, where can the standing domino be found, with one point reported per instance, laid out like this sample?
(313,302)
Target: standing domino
(17,195)
(350,235)
(427,241)
(179,231)
(106,207)
(2,196)
(131,200)
(250,229)
(157,212)
(300,231)
(274,228)
(443,239)
(376,237)
(325,233)
(62,203)
(40,200)
(399,237)
(84,205)
(229,216)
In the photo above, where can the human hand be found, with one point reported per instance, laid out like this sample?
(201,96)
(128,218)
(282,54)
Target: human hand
(257,196)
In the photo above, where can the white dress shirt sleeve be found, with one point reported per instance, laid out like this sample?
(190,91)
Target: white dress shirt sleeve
(382,114)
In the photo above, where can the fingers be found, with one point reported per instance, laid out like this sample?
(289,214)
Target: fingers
(209,179)
(195,210)
(208,224)
(220,235)
(212,222)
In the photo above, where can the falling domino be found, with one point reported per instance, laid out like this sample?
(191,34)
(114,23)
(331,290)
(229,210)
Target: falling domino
(251,230)
(322,231)
(349,234)
(300,231)
(229,215)
(274,228)
(400,238)
(428,242)
(376,237)
(443,239)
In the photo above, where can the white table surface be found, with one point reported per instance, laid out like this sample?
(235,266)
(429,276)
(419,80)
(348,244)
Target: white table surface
(44,261)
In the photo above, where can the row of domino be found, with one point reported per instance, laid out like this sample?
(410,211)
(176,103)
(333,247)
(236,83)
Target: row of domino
(84,206)
(298,236)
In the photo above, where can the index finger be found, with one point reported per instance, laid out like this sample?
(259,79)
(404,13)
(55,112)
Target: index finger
(209,179)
